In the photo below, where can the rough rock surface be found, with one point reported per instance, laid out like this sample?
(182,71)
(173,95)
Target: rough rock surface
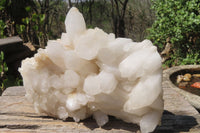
(89,72)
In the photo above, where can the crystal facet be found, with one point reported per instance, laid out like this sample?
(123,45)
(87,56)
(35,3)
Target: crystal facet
(89,72)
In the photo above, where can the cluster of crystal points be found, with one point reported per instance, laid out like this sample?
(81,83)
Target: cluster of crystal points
(89,72)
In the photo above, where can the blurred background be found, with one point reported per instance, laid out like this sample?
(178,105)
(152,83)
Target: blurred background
(37,21)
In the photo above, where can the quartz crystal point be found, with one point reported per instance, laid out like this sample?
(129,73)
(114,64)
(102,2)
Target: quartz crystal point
(91,73)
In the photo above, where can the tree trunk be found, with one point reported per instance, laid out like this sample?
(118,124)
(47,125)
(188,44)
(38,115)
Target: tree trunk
(69,4)
(118,16)
(121,28)
(91,2)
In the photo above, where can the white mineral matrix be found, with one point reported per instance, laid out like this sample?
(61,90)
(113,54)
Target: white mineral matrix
(91,73)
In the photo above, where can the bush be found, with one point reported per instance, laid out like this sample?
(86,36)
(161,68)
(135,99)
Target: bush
(3,70)
(2,24)
(5,79)
(2,27)
(180,22)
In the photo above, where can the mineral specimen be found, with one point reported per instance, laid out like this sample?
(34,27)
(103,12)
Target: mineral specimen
(89,72)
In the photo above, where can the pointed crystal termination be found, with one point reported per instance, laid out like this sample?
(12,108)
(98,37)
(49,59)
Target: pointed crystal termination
(74,23)
(89,72)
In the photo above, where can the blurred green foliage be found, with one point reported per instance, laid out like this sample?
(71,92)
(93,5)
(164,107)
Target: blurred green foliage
(5,79)
(2,27)
(35,21)
(2,4)
(3,70)
(180,22)
(2,23)
(32,27)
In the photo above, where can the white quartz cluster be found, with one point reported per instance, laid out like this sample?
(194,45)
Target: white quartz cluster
(91,73)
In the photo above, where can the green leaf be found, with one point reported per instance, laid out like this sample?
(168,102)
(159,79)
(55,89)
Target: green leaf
(35,27)
(28,8)
(42,18)
(34,17)
(5,67)
(22,28)
(2,56)
(23,20)
(26,20)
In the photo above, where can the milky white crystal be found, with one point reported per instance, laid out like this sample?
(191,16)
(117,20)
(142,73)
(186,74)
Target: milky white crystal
(91,73)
